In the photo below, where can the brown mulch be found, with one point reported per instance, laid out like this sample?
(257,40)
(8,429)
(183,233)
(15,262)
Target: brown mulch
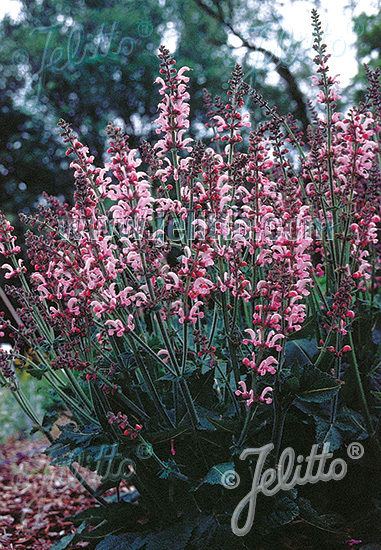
(36,498)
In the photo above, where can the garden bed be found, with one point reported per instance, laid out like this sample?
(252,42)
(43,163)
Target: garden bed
(36,498)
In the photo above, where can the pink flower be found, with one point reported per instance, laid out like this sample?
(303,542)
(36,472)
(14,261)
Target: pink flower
(180,74)
(98,308)
(266,366)
(116,326)
(194,314)
(72,306)
(249,395)
(272,338)
(165,354)
(130,323)
(200,287)
(14,271)
(263,397)
(256,339)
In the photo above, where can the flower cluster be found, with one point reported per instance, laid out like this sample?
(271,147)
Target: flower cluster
(122,422)
(180,264)
(7,369)
(250,397)
(7,239)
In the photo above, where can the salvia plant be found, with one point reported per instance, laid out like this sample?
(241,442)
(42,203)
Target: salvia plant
(201,298)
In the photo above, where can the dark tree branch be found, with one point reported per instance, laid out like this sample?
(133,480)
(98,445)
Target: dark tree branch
(300,112)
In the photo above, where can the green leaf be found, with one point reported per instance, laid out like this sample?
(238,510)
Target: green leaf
(226,425)
(175,537)
(92,515)
(325,433)
(348,427)
(64,543)
(64,455)
(293,384)
(300,351)
(204,533)
(376,333)
(122,542)
(36,373)
(68,540)
(102,407)
(106,520)
(50,418)
(73,441)
(307,512)
(308,329)
(285,509)
(197,531)
(316,386)
(216,473)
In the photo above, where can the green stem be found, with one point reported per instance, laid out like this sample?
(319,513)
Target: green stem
(151,387)
(335,399)
(80,392)
(360,389)
(279,421)
(214,326)
(152,353)
(68,400)
(121,396)
(232,352)
(249,417)
(189,403)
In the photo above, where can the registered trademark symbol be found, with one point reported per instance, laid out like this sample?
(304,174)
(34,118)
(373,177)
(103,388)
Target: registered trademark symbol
(355,450)
(145,28)
(144,451)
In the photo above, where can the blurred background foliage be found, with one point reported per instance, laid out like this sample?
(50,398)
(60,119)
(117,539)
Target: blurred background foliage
(12,418)
(92,61)
(368,49)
